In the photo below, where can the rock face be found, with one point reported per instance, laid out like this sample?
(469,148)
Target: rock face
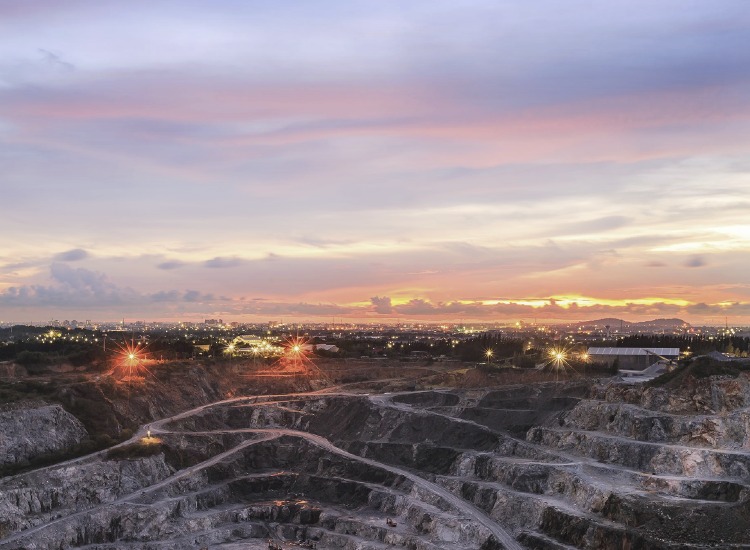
(27,433)
(37,498)
(548,467)
(713,395)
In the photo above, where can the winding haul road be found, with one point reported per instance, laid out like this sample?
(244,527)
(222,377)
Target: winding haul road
(458,503)
(159,427)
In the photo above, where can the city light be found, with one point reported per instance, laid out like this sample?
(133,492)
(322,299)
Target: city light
(558,358)
(130,362)
(295,356)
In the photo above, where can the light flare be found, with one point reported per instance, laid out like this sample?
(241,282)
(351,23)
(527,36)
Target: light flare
(130,362)
(558,359)
(296,357)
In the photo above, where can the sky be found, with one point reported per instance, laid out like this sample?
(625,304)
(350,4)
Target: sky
(429,160)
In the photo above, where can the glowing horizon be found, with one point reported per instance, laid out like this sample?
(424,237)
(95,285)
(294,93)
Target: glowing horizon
(375,161)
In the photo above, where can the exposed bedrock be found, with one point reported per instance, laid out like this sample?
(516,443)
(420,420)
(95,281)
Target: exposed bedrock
(28,433)
(536,477)
(35,498)
(714,394)
(548,465)
(730,430)
(221,501)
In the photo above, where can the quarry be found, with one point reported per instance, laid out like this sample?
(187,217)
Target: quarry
(417,461)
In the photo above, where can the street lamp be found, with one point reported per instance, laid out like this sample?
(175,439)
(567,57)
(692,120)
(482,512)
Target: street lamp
(559,357)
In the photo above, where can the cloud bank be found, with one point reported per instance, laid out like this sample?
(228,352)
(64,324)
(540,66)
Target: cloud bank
(430,156)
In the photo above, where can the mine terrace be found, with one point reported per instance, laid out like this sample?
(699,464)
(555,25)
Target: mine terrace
(426,438)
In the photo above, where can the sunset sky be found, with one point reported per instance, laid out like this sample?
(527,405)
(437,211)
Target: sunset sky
(381,160)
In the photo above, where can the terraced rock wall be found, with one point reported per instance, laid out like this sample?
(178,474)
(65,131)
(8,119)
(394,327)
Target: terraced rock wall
(546,467)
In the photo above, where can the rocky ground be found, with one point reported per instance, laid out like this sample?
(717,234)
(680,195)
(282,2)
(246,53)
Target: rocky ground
(32,429)
(550,465)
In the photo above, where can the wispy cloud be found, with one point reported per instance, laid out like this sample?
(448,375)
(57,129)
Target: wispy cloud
(221,263)
(56,60)
(695,261)
(171,264)
(73,255)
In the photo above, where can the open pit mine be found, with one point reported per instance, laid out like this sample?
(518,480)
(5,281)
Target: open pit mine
(594,464)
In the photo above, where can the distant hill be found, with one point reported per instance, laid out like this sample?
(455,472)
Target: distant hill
(615,324)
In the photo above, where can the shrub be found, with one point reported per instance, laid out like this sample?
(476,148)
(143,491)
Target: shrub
(32,358)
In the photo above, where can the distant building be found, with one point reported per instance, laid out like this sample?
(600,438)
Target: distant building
(327,347)
(250,340)
(324,347)
(632,358)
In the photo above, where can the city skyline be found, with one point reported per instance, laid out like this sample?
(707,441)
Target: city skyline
(375,161)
